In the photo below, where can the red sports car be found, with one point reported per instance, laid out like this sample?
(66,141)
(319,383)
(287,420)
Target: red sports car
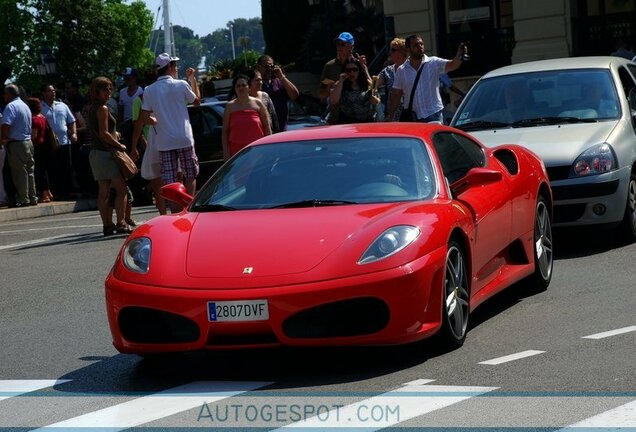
(365,234)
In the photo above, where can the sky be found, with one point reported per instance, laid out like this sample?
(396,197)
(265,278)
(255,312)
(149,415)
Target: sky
(205,16)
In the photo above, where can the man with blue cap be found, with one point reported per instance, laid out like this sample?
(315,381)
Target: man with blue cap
(333,68)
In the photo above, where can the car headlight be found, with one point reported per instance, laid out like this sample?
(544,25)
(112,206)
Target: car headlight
(136,255)
(598,159)
(390,242)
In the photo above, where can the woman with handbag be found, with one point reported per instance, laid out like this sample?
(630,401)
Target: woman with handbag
(104,140)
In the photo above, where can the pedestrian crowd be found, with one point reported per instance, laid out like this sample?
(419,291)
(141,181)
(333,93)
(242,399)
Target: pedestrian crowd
(58,146)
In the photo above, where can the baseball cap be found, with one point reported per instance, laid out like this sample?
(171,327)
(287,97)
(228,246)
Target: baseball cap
(164,59)
(345,37)
(129,72)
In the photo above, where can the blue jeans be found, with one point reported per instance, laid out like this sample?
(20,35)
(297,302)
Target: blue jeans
(433,118)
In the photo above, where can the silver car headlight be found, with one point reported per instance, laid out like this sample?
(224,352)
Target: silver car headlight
(136,255)
(596,160)
(390,242)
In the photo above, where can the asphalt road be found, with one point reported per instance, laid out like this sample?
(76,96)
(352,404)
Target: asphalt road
(59,369)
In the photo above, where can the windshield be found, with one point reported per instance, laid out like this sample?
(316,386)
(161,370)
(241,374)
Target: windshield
(321,173)
(540,98)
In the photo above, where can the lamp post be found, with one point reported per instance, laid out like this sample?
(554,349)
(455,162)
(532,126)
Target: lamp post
(232,39)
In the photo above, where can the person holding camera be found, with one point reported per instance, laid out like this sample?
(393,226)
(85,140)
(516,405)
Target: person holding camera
(427,103)
(278,87)
(352,94)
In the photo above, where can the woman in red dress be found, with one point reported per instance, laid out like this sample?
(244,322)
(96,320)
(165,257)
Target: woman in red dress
(245,119)
(41,150)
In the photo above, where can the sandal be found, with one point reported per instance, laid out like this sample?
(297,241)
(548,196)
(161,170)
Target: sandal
(131,222)
(109,230)
(123,228)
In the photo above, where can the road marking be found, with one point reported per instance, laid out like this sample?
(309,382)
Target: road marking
(158,405)
(611,333)
(620,418)
(511,357)
(56,228)
(47,239)
(393,407)
(11,388)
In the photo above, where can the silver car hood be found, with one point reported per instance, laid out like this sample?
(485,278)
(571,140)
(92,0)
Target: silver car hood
(556,145)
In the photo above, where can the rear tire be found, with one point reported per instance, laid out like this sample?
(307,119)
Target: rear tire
(456,298)
(542,247)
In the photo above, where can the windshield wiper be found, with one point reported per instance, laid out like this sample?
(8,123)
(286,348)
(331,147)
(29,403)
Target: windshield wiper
(211,208)
(551,121)
(482,124)
(313,203)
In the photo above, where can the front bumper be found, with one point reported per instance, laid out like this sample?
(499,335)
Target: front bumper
(591,200)
(398,305)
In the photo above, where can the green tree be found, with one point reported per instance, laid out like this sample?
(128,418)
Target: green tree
(16,32)
(86,38)
(218,44)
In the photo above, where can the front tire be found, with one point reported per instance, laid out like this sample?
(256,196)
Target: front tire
(456,299)
(542,246)
(629,220)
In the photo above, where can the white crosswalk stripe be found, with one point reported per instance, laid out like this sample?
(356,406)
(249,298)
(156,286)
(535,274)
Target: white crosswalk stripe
(11,388)
(396,406)
(207,403)
(153,407)
(619,418)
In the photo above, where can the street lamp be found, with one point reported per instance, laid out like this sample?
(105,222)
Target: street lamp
(232,38)
(47,64)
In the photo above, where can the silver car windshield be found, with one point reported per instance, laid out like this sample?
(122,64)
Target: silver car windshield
(540,98)
(321,173)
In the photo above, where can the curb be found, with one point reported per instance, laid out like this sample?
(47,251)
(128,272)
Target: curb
(48,209)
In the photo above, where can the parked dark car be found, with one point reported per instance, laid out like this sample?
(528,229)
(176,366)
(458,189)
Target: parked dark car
(207,125)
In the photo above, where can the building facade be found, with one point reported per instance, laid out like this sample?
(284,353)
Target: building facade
(501,32)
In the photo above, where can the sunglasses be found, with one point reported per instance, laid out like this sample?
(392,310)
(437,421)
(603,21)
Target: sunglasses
(351,70)
(341,44)
(394,49)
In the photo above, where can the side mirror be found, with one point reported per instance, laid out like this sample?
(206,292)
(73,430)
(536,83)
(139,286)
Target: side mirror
(475,177)
(176,192)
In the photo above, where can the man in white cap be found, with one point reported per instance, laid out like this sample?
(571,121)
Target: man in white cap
(167,100)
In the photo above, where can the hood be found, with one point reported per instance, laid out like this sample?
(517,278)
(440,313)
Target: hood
(272,242)
(556,145)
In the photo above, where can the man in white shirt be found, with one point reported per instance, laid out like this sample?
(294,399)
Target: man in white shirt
(62,121)
(167,99)
(427,102)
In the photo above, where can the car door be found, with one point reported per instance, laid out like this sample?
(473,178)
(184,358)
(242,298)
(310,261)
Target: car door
(489,203)
(207,124)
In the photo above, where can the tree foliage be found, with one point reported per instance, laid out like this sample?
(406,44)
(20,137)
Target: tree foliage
(16,32)
(218,44)
(85,37)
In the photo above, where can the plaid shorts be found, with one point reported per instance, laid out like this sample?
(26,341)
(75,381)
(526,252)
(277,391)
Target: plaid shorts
(173,161)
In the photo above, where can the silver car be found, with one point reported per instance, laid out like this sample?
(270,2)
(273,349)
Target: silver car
(577,114)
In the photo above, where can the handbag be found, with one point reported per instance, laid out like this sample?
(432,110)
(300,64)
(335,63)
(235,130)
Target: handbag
(127,166)
(51,138)
(407,114)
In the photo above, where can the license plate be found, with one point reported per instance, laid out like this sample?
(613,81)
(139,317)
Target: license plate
(243,310)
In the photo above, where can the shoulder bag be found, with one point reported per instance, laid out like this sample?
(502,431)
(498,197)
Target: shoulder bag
(127,166)
(50,138)
(407,114)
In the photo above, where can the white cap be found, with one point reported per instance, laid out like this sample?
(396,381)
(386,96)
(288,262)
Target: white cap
(164,59)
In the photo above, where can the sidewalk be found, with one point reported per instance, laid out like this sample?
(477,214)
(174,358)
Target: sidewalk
(47,209)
